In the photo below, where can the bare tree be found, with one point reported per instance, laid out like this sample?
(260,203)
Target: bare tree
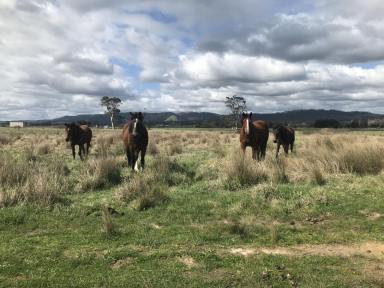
(237,105)
(112,105)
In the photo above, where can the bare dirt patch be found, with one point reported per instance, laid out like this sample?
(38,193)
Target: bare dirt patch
(188,261)
(366,249)
(371,215)
(121,263)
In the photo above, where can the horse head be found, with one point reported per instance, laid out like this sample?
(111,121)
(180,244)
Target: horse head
(69,131)
(246,120)
(277,133)
(137,122)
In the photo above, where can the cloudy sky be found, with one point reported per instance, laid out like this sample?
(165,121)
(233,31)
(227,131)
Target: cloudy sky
(59,57)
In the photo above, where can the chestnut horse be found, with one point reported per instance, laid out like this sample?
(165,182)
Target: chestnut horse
(78,135)
(254,134)
(284,136)
(135,138)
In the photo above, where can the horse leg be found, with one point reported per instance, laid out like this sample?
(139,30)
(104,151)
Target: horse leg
(259,153)
(142,157)
(73,151)
(254,153)
(88,145)
(135,162)
(277,149)
(129,157)
(243,147)
(263,149)
(292,147)
(285,146)
(81,148)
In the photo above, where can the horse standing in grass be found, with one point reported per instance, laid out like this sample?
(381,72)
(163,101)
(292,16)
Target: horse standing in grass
(254,134)
(284,136)
(78,135)
(135,138)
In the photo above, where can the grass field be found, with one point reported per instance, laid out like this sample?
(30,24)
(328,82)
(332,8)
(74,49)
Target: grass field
(200,215)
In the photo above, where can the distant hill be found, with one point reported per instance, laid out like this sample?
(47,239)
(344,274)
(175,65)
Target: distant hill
(207,119)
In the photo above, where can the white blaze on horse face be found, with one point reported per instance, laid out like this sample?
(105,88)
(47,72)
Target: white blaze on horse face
(134,127)
(247,126)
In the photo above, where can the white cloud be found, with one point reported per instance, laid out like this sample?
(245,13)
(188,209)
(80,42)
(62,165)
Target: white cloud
(229,68)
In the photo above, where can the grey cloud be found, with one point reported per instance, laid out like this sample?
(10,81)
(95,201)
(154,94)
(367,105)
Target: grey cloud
(84,65)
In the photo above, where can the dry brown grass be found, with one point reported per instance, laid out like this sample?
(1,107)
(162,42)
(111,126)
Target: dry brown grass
(317,157)
(31,182)
(240,170)
(99,173)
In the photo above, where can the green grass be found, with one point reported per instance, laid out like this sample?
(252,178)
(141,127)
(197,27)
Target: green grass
(186,240)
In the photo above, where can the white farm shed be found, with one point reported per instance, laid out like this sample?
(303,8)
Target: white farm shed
(18,124)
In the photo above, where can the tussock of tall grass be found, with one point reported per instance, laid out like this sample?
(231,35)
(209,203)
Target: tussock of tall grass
(41,183)
(146,188)
(103,145)
(362,159)
(43,149)
(278,170)
(336,154)
(107,224)
(175,148)
(4,140)
(243,171)
(152,148)
(99,173)
(149,187)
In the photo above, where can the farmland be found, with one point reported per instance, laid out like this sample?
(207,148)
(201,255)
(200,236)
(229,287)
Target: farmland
(199,215)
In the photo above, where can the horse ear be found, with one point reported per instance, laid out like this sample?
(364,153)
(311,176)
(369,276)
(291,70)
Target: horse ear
(66,124)
(131,114)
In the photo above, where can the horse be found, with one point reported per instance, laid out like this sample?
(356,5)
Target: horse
(284,136)
(254,134)
(135,138)
(78,135)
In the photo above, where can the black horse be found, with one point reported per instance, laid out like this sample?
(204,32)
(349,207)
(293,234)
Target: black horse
(284,136)
(135,138)
(78,135)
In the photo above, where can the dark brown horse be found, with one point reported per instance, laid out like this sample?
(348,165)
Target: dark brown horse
(135,138)
(78,135)
(254,134)
(284,136)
